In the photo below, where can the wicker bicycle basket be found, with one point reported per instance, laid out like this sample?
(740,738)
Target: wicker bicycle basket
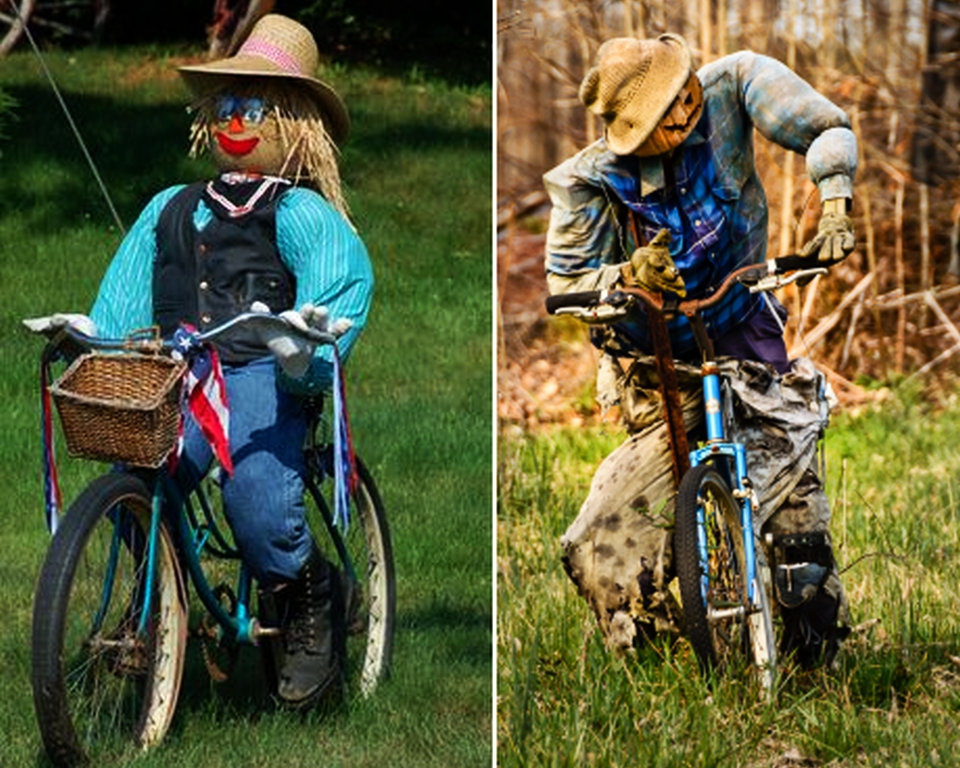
(120,408)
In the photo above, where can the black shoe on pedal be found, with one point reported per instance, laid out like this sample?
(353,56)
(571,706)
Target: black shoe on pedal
(310,667)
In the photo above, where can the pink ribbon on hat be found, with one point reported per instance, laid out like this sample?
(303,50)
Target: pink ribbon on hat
(272,53)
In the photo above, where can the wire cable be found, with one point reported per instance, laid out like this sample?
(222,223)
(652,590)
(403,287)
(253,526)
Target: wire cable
(72,123)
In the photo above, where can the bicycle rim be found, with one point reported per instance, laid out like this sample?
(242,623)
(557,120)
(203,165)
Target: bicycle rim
(364,558)
(104,680)
(711,568)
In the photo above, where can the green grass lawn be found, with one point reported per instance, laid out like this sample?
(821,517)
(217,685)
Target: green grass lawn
(417,171)
(894,699)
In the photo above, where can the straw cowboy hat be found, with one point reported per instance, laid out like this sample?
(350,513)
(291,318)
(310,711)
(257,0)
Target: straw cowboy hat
(632,85)
(277,47)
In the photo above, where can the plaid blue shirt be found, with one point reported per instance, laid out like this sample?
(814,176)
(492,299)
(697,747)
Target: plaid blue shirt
(318,246)
(707,193)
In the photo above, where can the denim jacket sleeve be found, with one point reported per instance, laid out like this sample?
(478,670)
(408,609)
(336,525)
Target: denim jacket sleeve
(585,241)
(788,111)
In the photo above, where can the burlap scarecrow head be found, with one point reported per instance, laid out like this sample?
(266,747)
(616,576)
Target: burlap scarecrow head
(264,111)
(646,93)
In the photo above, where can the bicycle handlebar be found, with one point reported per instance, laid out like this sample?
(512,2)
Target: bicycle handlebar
(258,321)
(753,274)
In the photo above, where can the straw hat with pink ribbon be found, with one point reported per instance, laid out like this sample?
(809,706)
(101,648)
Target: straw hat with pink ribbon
(281,48)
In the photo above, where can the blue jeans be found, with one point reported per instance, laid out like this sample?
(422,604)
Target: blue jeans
(760,338)
(263,500)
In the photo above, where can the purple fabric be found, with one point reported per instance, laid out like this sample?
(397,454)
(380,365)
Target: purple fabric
(759,339)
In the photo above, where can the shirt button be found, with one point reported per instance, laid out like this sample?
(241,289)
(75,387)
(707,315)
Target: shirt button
(204,285)
(203,248)
(206,319)
(698,222)
(683,190)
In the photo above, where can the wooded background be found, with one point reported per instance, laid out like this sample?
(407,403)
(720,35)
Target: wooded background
(891,309)
(442,40)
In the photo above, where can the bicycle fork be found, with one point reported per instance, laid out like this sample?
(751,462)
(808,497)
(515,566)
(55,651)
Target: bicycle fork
(726,456)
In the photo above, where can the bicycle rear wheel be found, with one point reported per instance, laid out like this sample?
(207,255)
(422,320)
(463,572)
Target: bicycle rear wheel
(101,684)
(711,568)
(363,555)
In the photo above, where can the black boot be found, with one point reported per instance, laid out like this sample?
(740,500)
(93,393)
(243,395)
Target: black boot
(311,667)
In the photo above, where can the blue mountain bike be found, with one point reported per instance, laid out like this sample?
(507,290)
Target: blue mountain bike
(724,578)
(111,613)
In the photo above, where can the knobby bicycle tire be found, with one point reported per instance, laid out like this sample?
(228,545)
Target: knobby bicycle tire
(370,596)
(99,688)
(717,587)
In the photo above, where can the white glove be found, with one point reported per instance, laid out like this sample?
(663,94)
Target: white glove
(293,353)
(49,325)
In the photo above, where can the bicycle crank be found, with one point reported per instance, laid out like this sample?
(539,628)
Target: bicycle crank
(220,653)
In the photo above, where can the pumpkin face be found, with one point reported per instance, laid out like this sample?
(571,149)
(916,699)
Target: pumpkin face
(678,122)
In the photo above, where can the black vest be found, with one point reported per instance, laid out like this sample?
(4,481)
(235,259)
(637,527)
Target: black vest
(205,278)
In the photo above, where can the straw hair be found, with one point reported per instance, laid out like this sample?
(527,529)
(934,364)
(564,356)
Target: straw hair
(277,48)
(633,84)
(310,156)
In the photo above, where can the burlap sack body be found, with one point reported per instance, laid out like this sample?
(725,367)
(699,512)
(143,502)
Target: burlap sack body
(619,550)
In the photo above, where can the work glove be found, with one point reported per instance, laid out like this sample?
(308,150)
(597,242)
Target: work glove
(294,353)
(651,267)
(50,324)
(834,240)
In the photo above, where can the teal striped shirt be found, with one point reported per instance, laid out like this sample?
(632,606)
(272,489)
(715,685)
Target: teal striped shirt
(317,244)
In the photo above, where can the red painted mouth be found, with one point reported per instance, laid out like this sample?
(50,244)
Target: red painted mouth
(236,147)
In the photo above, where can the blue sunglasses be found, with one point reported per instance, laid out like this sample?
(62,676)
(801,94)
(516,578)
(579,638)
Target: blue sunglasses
(251,110)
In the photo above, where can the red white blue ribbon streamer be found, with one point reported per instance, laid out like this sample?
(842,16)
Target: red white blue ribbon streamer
(53,501)
(204,395)
(345,477)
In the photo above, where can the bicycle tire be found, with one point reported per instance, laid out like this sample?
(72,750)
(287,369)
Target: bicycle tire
(714,594)
(763,638)
(369,598)
(11,25)
(99,691)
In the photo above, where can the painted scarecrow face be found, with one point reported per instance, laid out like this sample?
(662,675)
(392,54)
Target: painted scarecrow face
(271,127)
(678,122)
(244,130)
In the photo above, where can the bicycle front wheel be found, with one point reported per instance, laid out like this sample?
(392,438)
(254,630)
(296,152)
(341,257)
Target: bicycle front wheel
(711,568)
(108,641)
(363,554)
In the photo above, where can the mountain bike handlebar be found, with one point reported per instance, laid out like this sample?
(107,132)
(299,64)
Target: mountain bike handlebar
(757,277)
